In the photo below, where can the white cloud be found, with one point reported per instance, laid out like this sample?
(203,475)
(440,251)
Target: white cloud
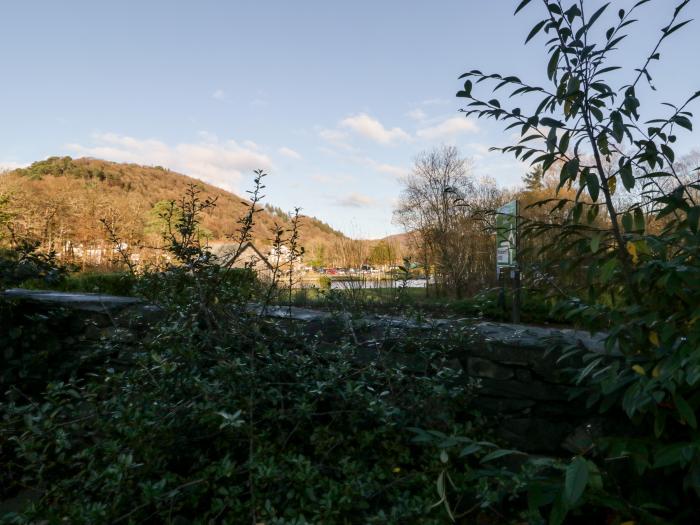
(394,171)
(333,179)
(480,151)
(505,173)
(435,102)
(372,129)
(219,94)
(290,153)
(382,167)
(355,200)
(9,165)
(220,163)
(322,179)
(417,114)
(448,128)
(483,149)
(336,137)
(332,135)
(207,136)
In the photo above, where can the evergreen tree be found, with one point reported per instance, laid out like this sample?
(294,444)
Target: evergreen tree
(533,179)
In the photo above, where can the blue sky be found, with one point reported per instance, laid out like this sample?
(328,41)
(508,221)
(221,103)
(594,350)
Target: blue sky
(333,99)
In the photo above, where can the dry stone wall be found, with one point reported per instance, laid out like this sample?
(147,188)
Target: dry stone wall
(522,386)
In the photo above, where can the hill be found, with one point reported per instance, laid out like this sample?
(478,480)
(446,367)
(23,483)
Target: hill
(60,201)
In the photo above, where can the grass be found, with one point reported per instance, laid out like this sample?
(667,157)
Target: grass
(110,283)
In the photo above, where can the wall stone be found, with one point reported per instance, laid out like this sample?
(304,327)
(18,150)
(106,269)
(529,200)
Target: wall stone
(523,387)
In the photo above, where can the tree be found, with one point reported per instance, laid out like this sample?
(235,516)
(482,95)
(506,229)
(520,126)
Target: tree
(5,215)
(534,179)
(382,253)
(317,255)
(438,204)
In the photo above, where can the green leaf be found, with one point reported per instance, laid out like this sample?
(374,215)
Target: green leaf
(639,222)
(589,368)
(558,513)
(470,449)
(595,479)
(521,5)
(553,62)
(618,128)
(683,122)
(668,31)
(693,218)
(575,480)
(499,454)
(627,222)
(535,30)
(603,144)
(597,14)
(627,176)
(592,214)
(670,155)
(564,142)
(593,185)
(572,167)
(669,455)
(552,140)
(607,270)
(595,241)
(685,411)
(546,121)
(598,114)
(467,90)
(573,86)
(659,424)
(577,211)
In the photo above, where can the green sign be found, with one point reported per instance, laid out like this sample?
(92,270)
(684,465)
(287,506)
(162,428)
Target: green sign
(506,233)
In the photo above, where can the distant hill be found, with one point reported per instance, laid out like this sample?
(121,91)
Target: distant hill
(402,240)
(62,199)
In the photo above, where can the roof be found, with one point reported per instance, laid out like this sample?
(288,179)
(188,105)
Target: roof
(223,250)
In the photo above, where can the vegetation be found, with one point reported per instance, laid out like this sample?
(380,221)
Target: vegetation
(636,256)
(216,412)
(442,206)
(62,204)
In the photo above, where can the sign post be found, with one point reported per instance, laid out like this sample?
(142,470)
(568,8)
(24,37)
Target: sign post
(507,246)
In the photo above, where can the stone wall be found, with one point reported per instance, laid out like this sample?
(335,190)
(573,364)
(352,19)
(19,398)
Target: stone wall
(522,384)
(50,335)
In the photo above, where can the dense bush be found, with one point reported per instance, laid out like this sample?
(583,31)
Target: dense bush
(26,263)
(261,418)
(495,304)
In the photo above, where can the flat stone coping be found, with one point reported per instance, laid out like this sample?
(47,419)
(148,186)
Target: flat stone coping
(77,300)
(517,335)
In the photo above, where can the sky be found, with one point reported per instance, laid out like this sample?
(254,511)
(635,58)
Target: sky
(334,100)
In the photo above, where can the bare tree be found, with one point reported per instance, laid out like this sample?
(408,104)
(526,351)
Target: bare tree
(439,205)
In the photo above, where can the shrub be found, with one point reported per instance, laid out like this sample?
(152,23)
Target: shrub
(324,282)
(264,420)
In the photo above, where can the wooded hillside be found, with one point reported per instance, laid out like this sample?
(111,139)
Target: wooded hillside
(62,200)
